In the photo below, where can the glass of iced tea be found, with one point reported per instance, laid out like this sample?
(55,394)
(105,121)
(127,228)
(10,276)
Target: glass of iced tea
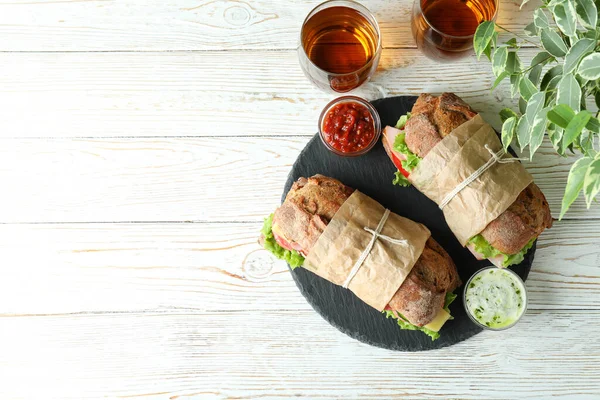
(340,45)
(444,29)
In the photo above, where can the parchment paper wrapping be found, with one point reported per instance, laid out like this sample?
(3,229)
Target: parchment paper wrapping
(454,159)
(386,266)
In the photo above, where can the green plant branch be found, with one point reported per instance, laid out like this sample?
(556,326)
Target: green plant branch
(531,67)
(584,174)
(520,37)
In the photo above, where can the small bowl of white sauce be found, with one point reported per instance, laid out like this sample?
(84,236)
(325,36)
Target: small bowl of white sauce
(495,298)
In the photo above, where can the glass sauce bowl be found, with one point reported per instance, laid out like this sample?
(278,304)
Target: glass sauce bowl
(495,298)
(365,140)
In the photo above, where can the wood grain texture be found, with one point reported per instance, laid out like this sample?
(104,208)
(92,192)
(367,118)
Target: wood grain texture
(177,179)
(210,355)
(101,25)
(73,268)
(230,93)
(194,110)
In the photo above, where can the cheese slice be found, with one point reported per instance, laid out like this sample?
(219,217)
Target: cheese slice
(439,321)
(275,230)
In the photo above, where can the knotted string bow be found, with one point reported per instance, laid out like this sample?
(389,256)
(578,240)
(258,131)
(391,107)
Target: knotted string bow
(376,235)
(496,158)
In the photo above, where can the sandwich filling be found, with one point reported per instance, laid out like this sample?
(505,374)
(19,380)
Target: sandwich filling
(432,328)
(292,257)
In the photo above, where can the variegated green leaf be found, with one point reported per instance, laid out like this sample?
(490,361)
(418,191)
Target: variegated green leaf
(591,182)
(593,125)
(549,75)
(561,115)
(523,136)
(566,18)
(589,68)
(538,128)
(515,81)
(553,3)
(569,92)
(488,51)
(491,45)
(531,30)
(483,36)
(553,84)
(534,106)
(508,131)
(506,113)
(540,20)
(512,43)
(513,63)
(579,49)
(522,106)
(527,88)
(582,81)
(575,126)
(542,58)
(575,183)
(535,74)
(553,43)
(555,136)
(587,12)
(499,60)
(585,143)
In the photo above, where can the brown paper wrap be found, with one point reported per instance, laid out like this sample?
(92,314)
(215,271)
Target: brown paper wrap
(453,160)
(386,266)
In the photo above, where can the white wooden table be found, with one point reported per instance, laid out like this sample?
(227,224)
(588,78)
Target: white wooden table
(143,142)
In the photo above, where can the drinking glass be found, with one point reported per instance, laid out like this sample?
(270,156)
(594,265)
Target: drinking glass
(340,45)
(444,29)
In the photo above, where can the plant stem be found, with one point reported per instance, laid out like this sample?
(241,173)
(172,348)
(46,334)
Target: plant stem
(531,67)
(520,37)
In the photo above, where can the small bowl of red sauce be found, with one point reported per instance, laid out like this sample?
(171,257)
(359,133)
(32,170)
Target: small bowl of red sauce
(349,126)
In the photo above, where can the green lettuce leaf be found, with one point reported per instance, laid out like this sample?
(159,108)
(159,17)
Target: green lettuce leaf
(488,251)
(404,324)
(402,121)
(412,160)
(450,297)
(400,179)
(292,257)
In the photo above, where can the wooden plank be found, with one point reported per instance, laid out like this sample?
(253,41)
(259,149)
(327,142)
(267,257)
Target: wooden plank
(69,268)
(177,179)
(231,93)
(99,25)
(285,354)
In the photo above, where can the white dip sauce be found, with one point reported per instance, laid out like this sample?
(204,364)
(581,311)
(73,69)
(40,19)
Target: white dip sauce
(496,298)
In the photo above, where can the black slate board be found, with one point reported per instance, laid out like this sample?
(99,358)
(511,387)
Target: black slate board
(372,174)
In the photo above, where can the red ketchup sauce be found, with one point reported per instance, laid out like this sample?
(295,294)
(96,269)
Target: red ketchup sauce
(348,127)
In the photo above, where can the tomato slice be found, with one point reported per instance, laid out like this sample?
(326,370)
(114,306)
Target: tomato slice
(398,165)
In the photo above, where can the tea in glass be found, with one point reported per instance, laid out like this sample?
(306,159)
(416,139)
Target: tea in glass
(444,29)
(340,45)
